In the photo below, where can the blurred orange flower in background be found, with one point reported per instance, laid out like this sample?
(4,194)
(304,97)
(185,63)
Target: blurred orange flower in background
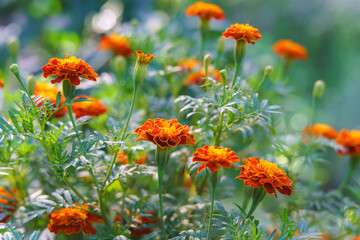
(215,157)
(94,107)
(289,49)
(73,220)
(198,78)
(1,83)
(8,204)
(144,58)
(189,64)
(119,45)
(261,173)
(320,129)
(165,133)
(357,237)
(49,91)
(242,32)
(69,69)
(137,227)
(143,159)
(205,11)
(122,157)
(350,140)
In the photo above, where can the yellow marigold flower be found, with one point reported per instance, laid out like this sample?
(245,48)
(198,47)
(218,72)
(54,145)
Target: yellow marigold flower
(205,11)
(189,64)
(94,107)
(242,32)
(261,173)
(215,157)
(122,157)
(138,227)
(198,78)
(8,204)
(69,69)
(320,129)
(1,83)
(144,58)
(289,49)
(73,220)
(350,140)
(165,133)
(49,91)
(119,45)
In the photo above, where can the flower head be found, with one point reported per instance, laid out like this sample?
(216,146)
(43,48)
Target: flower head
(8,205)
(119,45)
(93,107)
(261,173)
(189,64)
(215,157)
(144,58)
(122,157)
(165,133)
(69,69)
(242,32)
(142,159)
(205,11)
(198,78)
(73,220)
(357,237)
(289,49)
(49,91)
(350,140)
(320,129)
(141,220)
(1,83)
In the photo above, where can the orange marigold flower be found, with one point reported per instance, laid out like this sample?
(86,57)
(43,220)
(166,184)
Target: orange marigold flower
(94,107)
(215,157)
(261,173)
(73,220)
(165,133)
(8,205)
(320,129)
(350,140)
(46,90)
(357,237)
(144,58)
(119,45)
(122,157)
(70,69)
(143,159)
(141,221)
(198,78)
(1,83)
(289,49)
(242,32)
(189,64)
(205,11)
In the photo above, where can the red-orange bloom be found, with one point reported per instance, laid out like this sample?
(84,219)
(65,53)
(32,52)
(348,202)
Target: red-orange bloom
(215,157)
(8,205)
(320,129)
(165,133)
(70,69)
(141,221)
(122,157)
(357,237)
(205,11)
(289,49)
(143,159)
(189,64)
(1,83)
(198,78)
(73,220)
(350,140)
(94,107)
(144,58)
(242,32)
(119,45)
(46,90)
(261,173)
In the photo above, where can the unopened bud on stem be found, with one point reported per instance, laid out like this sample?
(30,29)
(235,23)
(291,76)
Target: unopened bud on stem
(318,90)
(268,70)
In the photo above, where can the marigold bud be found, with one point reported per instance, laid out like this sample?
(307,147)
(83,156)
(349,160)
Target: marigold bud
(240,50)
(14,68)
(223,74)
(268,70)
(118,63)
(31,81)
(14,46)
(68,88)
(318,90)
(207,60)
(141,66)
(220,45)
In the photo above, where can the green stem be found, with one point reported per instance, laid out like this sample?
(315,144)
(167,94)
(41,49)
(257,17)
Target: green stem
(204,30)
(218,136)
(261,82)
(73,122)
(73,189)
(354,162)
(161,172)
(109,171)
(215,176)
(257,196)
(314,108)
(236,73)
